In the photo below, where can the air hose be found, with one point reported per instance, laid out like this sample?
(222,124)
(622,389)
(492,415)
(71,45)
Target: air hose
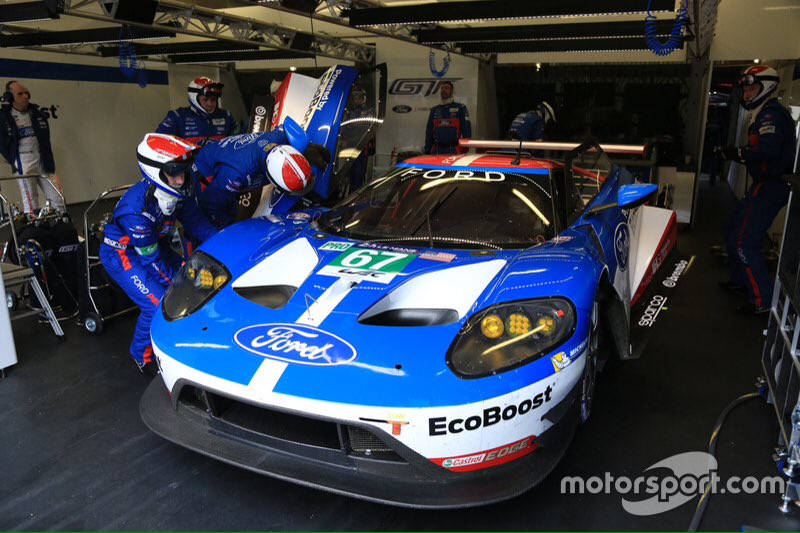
(675,39)
(712,450)
(432,63)
(127,55)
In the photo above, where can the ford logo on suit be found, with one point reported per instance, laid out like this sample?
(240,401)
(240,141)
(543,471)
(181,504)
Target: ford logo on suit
(295,343)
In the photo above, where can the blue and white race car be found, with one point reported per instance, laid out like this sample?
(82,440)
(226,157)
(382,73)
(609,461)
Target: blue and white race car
(430,341)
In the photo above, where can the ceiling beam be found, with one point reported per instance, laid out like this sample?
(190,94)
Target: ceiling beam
(480,10)
(576,45)
(203,47)
(97,35)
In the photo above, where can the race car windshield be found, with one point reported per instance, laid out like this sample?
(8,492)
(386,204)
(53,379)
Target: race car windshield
(449,208)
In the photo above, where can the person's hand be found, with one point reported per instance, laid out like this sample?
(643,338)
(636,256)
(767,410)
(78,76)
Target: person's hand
(318,156)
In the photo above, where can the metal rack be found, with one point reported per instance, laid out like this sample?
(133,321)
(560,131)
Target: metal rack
(781,356)
(19,275)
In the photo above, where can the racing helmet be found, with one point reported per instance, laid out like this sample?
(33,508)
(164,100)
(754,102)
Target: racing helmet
(765,77)
(203,86)
(160,155)
(289,170)
(546,111)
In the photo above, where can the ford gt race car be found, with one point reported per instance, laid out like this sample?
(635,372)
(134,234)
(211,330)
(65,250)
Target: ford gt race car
(431,341)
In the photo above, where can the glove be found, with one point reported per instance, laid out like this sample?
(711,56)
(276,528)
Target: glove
(729,153)
(318,156)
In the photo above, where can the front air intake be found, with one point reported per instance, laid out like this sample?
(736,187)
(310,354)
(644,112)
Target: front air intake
(271,296)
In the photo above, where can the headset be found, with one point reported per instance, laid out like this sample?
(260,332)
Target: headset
(8,96)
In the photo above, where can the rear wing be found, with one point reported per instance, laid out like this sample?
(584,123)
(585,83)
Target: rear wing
(631,149)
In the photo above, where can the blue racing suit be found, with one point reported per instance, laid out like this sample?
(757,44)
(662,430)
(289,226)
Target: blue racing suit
(197,128)
(769,154)
(137,255)
(528,126)
(447,123)
(230,167)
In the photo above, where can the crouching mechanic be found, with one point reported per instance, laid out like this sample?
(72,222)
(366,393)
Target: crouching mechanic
(136,250)
(248,162)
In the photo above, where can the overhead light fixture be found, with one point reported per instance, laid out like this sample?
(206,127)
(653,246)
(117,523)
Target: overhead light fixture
(229,57)
(30,11)
(203,47)
(98,35)
(292,69)
(756,61)
(482,10)
(580,45)
(542,32)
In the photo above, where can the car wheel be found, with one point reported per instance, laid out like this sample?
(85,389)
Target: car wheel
(590,370)
(12,301)
(93,323)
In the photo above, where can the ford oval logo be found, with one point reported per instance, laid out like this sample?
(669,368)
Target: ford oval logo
(295,343)
(401,109)
(622,244)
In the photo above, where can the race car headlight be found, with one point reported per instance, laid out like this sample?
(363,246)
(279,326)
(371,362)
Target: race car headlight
(195,283)
(509,335)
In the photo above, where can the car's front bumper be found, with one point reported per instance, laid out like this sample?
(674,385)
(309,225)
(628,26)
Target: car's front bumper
(320,452)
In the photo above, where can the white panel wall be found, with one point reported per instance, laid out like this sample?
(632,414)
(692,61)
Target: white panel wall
(98,124)
(763,29)
(408,108)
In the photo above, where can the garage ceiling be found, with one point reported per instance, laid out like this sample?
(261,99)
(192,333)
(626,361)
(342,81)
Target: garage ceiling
(239,30)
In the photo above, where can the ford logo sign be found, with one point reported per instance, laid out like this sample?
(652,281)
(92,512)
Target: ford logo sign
(622,244)
(295,343)
(401,109)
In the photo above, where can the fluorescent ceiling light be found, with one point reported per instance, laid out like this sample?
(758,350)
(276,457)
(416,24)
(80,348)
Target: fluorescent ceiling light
(481,10)
(99,35)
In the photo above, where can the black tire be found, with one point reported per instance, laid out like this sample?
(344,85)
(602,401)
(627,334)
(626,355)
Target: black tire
(590,370)
(92,323)
(12,301)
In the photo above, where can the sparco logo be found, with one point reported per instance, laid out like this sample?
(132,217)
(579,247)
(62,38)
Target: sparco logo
(672,279)
(418,86)
(490,416)
(651,313)
(295,343)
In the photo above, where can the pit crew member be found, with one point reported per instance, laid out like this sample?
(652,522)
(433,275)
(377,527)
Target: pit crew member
(447,123)
(203,119)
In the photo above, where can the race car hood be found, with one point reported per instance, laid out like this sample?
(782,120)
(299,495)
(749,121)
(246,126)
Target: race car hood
(361,328)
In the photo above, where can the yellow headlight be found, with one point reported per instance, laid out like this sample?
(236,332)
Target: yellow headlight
(206,279)
(191,273)
(492,327)
(547,323)
(220,280)
(518,324)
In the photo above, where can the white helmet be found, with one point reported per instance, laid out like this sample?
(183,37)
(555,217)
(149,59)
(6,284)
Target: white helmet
(160,155)
(546,111)
(289,170)
(203,87)
(762,75)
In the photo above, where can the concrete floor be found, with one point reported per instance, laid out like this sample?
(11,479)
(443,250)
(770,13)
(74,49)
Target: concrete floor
(74,454)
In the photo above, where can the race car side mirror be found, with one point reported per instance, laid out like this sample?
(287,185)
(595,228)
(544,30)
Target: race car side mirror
(628,197)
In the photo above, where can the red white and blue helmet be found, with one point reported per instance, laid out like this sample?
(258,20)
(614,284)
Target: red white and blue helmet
(289,170)
(161,155)
(763,76)
(546,111)
(203,87)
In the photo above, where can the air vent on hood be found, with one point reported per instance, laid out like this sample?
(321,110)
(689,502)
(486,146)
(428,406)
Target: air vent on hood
(272,296)
(412,317)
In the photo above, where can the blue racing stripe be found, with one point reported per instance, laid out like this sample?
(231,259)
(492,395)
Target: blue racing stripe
(44,70)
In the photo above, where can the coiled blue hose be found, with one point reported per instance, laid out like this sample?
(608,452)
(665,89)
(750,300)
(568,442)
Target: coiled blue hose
(675,39)
(127,56)
(432,63)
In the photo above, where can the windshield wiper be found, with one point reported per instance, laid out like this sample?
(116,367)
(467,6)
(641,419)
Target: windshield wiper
(431,211)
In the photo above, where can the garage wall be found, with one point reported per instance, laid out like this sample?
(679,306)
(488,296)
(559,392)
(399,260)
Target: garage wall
(413,90)
(97,117)
(757,30)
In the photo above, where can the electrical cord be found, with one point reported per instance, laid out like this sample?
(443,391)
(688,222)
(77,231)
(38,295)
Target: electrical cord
(675,38)
(712,450)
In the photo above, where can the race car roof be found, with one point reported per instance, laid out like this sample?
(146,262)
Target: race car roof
(481,161)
